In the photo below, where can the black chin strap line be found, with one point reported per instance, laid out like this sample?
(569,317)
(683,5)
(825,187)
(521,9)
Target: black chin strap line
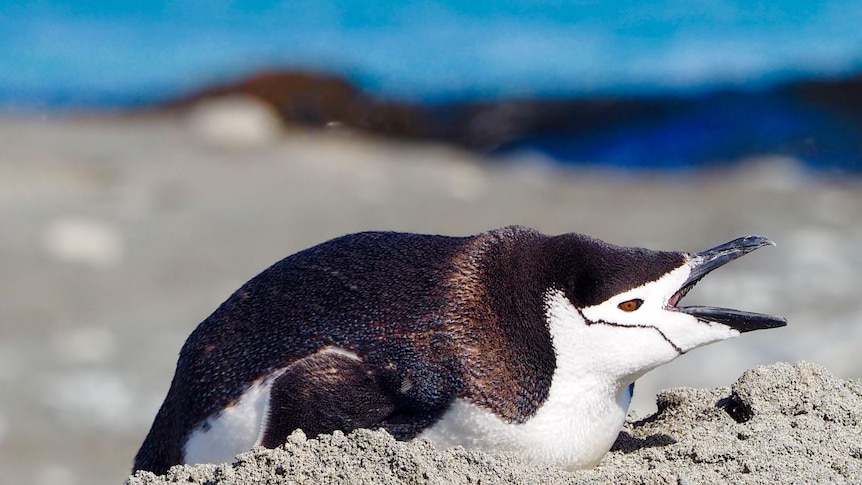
(612,324)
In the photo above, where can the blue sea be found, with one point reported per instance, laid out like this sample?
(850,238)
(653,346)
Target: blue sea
(105,54)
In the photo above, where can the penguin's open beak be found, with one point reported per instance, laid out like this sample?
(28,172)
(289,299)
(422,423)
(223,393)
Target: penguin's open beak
(703,263)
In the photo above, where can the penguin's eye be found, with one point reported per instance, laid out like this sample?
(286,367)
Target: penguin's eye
(630,305)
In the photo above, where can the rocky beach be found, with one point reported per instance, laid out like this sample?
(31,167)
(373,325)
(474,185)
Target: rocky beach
(776,424)
(122,233)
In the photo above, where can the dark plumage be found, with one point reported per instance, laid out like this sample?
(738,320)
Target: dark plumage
(432,318)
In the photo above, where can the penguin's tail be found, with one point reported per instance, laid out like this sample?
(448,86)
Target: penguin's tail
(161,448)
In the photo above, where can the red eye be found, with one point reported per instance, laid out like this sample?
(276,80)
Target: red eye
(630,305)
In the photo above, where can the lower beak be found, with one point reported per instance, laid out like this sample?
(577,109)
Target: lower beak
(735,319)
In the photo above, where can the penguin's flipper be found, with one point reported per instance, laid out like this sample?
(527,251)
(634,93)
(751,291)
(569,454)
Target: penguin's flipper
(326,391)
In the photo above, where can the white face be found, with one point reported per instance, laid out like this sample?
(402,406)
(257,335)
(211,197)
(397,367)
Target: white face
(647,333)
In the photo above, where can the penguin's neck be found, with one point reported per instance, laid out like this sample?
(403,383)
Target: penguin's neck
(585,407)
(615,354)
(592,386)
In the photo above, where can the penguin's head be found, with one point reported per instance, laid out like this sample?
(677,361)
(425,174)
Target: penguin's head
(625,302)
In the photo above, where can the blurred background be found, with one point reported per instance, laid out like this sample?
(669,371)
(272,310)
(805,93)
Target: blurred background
(154,156)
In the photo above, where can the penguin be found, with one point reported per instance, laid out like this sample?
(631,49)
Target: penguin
(506,341)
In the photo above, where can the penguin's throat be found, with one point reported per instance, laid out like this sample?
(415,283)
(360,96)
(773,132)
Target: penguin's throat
(615,355)
(674,300)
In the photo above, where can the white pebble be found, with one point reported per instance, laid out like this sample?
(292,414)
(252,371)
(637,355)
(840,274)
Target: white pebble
(84,241)
(776,174)
(235,122)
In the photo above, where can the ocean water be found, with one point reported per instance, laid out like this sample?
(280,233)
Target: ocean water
(104,54)
(56,53)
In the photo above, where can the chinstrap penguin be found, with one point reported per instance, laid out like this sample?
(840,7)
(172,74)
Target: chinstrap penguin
(507,341)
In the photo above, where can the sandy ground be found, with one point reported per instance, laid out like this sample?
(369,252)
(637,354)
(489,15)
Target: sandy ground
(120,235)
(777,424)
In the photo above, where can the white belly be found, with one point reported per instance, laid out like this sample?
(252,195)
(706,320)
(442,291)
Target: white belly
(582,416)
(568,431)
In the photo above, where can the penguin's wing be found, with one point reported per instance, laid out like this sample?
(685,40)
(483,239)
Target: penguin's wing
(323,392)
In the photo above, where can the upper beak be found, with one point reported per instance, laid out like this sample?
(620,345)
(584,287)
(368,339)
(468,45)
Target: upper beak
(703,263)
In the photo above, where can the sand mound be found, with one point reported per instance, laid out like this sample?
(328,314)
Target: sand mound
(777,424)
